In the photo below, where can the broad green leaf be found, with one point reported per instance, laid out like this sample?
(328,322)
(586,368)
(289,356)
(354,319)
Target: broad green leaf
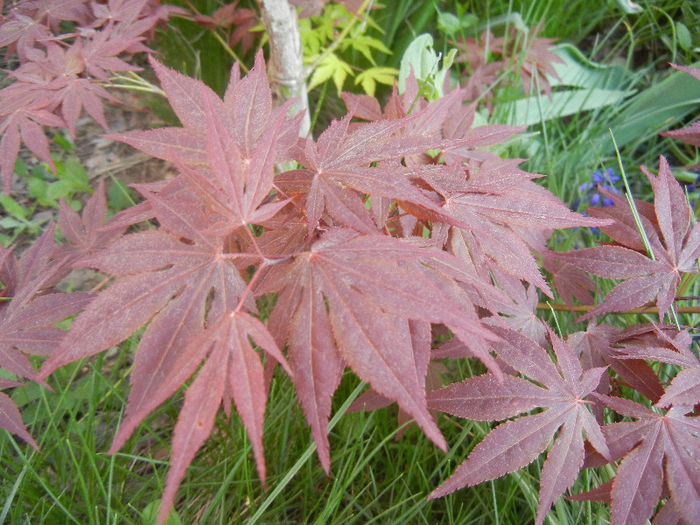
(420,56)
(448,23)
(685,40)
(629,7)
(74,172)
(657,108)
(58,189)
(579,71)
(150,515)
(532,110)
(424,61)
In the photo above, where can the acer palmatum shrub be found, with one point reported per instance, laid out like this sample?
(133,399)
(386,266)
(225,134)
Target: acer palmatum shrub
(61,53)
(372,247)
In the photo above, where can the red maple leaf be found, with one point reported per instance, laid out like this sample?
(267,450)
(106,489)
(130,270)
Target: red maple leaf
(674,242)
(61,74)
(601,345)
(657,450)
(350,299)
(86,233)
(28,310)
(246,112)
(684,389)
(514,444)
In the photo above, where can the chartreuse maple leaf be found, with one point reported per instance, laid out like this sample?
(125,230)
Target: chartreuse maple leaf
(514,444)
(674,242)
(369,78)
(330,67)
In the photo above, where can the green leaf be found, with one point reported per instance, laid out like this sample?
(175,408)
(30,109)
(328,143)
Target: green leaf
(330,67)
(150,515)
(369,78)
(448,23)
(422,58)
(364,44)
(12,207)
(56,190)
(64,143)
(659,107)
(685,40)
(629,7)
(10,223)
(451,24)
(119,196)
(75,173)
(38,189)
(532,110)
(21,168)
(579,71)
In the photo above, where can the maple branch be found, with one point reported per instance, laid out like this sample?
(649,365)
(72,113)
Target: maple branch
(587,308)
(688,298)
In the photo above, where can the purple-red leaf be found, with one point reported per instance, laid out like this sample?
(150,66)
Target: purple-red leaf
(657,448)
(514,444)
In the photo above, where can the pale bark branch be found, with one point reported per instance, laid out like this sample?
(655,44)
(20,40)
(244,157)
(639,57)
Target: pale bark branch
(286,64)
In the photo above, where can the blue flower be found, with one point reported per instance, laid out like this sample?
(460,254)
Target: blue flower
(589,191)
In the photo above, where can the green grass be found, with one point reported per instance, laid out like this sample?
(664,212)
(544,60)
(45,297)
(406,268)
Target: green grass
(374,478)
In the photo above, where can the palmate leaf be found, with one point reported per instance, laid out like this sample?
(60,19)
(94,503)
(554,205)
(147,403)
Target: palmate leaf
(232,370)
(185,279)
(330,67)
(349,299)
(674,241)
(369,77)
(179,283)
(27,318)
(85,233)
(489,218)
(656,450)
(514,444)
(341,159)
(246,112)
(684,390)
(167,282)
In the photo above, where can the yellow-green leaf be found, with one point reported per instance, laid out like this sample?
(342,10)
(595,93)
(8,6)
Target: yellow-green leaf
(330,67)
(369,78)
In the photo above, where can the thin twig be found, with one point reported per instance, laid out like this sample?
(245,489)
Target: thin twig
(587,308)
